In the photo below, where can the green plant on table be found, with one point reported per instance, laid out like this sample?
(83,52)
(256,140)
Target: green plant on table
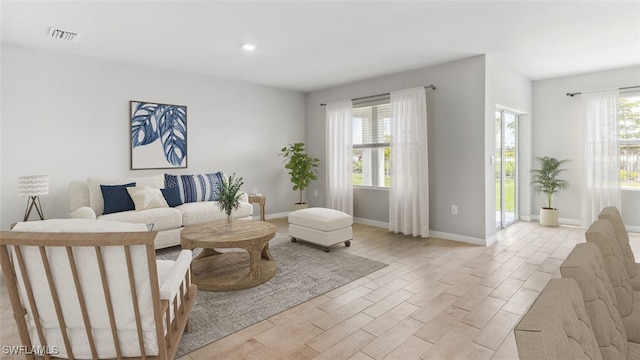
(228,194)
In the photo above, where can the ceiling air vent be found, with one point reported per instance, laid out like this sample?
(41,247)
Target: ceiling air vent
(56,33)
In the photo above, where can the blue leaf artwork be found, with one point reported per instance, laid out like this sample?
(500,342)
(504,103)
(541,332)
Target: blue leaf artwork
(158,135)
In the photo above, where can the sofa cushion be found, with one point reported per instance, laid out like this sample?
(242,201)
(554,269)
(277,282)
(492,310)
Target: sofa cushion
(622,236)
(585,265)
(199,212)
(146,197)
(116,198)
(172,196)
(96,201)
(195,188)
(557,325)
(602,234)
(321,219)
(162,218)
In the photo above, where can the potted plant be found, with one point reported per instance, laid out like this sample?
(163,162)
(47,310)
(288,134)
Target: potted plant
(303,168)
(228,194)
(545,180)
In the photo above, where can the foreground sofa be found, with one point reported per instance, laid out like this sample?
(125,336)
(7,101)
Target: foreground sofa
(552,328)
(86,201)
(89,289)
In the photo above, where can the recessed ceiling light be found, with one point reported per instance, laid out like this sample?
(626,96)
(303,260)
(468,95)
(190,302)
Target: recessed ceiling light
(249,47)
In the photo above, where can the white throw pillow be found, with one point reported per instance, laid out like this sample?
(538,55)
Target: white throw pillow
(147,197)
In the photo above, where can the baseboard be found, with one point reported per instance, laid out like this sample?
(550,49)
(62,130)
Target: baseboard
(578,223)
(376,223)
(561,221)
(462,238)
(273,215)
(633,229)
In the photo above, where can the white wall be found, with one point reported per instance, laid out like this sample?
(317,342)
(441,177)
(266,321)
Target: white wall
(456,126)
(67,116)
(558,130)
(507,90)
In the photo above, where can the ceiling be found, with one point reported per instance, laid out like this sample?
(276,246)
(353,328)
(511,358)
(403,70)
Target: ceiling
(310,45)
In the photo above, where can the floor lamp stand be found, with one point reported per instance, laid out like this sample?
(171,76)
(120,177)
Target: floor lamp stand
(33,201)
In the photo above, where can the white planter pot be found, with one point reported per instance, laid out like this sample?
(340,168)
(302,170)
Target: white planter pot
(298,206)
(548,217)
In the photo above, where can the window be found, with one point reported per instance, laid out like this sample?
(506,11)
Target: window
(371,134)
(629,130)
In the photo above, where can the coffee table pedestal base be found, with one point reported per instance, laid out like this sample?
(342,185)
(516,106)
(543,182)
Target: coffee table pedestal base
(230,271)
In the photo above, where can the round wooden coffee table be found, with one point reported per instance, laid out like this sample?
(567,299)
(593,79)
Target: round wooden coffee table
(230,270)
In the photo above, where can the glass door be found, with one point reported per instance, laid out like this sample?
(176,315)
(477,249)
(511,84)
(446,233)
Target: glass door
(506,162)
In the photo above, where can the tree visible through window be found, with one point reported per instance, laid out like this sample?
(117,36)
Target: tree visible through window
(629,130)
(371,136)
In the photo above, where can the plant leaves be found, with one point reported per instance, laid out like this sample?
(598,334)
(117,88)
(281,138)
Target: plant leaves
(144,124)
(150,122)
(173,133)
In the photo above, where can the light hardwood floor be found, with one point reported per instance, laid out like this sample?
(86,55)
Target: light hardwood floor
(437,299)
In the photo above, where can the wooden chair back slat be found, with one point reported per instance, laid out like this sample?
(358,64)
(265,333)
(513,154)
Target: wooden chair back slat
(30,297)
(18,312)
(81,302)
(107,299)
(134,299)
(157,304)
(56,302)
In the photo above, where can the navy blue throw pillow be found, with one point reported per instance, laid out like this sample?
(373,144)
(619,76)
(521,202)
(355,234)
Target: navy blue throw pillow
(116,198)
(172,196)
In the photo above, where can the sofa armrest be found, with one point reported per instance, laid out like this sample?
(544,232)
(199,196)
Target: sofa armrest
(170,286)
(84,212)
(244,197)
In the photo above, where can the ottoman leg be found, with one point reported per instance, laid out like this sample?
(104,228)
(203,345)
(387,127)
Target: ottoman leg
(293,239)
(347,243)
(326,249)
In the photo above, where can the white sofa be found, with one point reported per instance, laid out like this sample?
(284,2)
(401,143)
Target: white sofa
(86,202)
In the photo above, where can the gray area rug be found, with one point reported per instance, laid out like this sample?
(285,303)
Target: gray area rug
(304,272)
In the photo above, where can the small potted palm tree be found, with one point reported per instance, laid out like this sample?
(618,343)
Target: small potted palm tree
(545,180)
(228,194)
(303,168)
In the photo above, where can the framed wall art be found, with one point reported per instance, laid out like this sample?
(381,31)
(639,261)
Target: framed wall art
(158,135)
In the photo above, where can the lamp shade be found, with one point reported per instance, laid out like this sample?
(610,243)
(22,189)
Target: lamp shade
(34,185)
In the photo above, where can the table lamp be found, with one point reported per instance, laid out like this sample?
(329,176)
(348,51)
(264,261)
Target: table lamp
(32,187)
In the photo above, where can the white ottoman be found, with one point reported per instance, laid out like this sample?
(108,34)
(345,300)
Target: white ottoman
(324,227)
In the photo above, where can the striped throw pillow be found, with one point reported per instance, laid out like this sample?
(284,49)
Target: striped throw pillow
(194,188)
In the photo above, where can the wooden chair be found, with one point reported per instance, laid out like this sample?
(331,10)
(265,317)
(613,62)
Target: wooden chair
(95,295)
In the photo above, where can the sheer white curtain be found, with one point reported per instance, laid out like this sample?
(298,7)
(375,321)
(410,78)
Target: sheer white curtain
(409,184)
(601,181)
(339,141)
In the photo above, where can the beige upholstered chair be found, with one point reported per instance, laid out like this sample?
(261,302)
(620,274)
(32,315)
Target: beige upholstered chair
(585,265)
(622,236)
(94,290)
(557,326)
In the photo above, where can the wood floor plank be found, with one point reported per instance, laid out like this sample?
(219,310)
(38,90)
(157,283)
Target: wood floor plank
(334,335)
(391,339)
(410,349)
(347,347)
(494,333)
(451,343)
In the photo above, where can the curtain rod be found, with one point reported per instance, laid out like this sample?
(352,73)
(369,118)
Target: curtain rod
(622,88)
(372,96)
